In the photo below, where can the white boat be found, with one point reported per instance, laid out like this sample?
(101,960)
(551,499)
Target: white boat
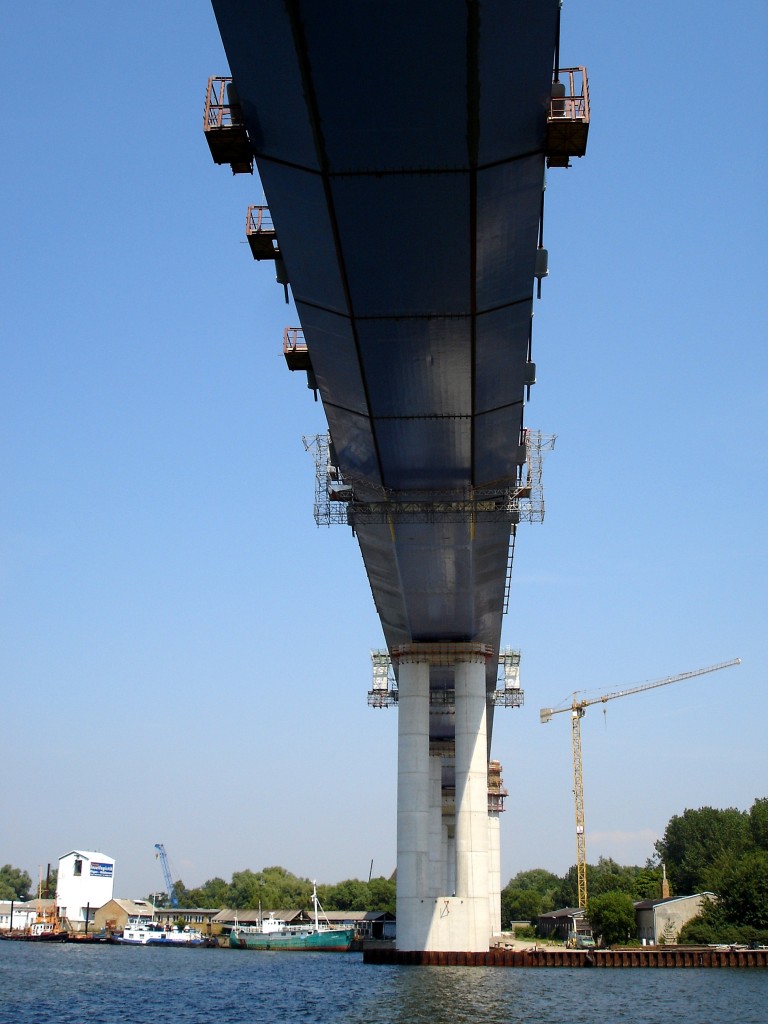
(149,933)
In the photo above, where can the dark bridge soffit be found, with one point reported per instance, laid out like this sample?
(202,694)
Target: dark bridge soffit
(400,146)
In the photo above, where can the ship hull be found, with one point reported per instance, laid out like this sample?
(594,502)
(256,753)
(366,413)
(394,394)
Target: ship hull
(336,940)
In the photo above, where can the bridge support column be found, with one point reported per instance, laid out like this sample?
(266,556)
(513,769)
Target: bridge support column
(472,832)
(413,804)
(494,871)
(443,871)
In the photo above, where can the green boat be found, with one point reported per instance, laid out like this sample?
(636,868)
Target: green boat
(279,935)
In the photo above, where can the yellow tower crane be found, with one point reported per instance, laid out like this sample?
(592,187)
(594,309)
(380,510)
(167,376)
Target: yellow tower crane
(578,709)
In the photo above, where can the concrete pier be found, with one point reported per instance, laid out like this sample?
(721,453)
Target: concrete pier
(447,846)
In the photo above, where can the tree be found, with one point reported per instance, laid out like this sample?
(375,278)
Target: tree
(713,925)
(14,883)
(647,883)
(520,905)
(213,893)
(381,895)
(158,899)
(758,823)
(567,892)
(741,884)
(351,894)
(709,927)
(528,895)
(612,916)
(274,888)
(695,840)
(537,879)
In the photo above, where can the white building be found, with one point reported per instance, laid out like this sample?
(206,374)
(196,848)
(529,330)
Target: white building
(24,914)
(660,921)
(84,883)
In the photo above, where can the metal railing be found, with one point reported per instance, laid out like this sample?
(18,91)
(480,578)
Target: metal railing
(257,220)
(574,104)
(222,109)
(293,340)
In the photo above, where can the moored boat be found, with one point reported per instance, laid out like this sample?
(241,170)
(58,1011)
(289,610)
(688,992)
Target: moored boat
(276,934)
(149,933)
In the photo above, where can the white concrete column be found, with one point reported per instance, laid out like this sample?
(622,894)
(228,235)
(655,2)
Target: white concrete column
(494,871)
(449,850)
(413,804)
(436,862)
(472,800)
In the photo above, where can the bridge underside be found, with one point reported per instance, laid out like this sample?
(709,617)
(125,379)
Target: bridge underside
(401,147)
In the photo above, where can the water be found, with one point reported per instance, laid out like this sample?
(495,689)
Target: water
(70,984)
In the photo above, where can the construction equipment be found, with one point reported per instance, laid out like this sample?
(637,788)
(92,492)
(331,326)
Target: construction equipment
(578,709)
(168,878)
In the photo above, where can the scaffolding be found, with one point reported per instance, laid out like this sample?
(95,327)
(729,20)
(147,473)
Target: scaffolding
(496,790)
(384,692)
(522,501)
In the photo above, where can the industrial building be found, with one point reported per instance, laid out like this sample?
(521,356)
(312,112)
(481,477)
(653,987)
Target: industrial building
(84,883)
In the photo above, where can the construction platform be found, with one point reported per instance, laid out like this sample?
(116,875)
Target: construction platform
(643,956)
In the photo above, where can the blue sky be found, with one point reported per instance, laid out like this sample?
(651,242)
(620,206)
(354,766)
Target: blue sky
(184,655)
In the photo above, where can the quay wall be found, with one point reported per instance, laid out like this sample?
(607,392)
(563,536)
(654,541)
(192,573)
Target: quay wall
(643,956)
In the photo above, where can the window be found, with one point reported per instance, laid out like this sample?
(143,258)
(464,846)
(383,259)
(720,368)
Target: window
(78,867)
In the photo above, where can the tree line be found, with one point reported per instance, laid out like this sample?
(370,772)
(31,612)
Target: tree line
(723,852)
(276,888)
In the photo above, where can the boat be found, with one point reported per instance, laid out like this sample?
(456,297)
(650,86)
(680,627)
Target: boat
(47,926)
(275,934)
(149,933)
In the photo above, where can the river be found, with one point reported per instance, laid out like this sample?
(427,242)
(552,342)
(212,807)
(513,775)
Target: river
(71,984)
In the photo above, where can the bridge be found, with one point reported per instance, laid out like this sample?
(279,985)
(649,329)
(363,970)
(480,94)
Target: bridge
(402,148)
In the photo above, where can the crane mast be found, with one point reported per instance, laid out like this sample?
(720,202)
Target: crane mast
(578,709)
(578,792)
(167,877)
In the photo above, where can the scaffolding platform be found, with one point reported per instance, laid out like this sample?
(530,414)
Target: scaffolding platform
(260,233)
(295,349)
(568,120)
(224,127)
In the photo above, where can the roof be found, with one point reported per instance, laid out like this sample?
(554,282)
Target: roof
(134,908)
(358,915)
(555,915)
(228,914)
(88,855)
(165,911)
(652,904)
